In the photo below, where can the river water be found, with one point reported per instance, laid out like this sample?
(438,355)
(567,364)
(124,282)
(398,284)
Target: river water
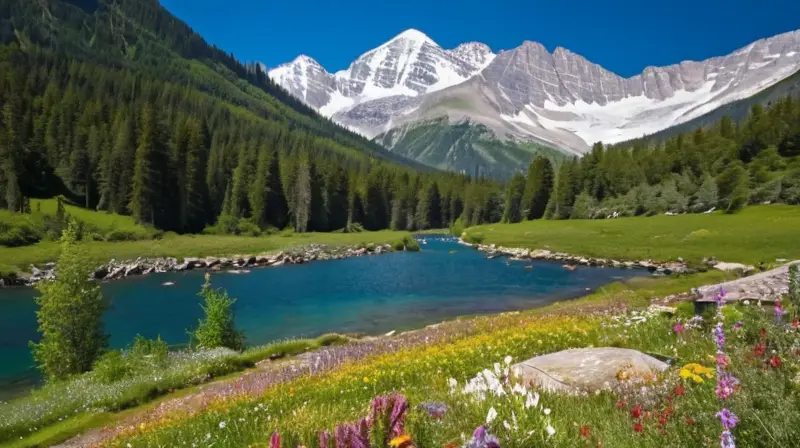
(370,295)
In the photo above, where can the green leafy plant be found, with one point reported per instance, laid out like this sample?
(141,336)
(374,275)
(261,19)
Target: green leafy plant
(217,329)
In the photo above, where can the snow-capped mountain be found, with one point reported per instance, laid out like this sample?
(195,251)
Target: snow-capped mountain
(528,93)
(409,65)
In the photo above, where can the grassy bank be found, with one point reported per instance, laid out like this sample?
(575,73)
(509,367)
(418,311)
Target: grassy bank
(634,292)
(756,234)
(671,410)
(180,246)
(64,409)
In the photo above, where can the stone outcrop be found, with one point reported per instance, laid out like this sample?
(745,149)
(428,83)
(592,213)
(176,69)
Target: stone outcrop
(585,370)
(114,269)
(769,285)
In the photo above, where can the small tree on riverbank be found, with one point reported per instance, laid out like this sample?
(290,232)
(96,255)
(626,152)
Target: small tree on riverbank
(70,314)
(218,328)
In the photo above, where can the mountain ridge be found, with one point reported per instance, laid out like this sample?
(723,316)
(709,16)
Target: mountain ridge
(565,100)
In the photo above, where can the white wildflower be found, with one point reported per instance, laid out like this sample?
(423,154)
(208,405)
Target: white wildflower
(550,430)
(508,360)
(222,425)
(491,416)
(546,411)
(532,400)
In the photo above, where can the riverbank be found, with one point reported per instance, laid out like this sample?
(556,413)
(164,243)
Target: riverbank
(413,361)
(757,235)
(182,252)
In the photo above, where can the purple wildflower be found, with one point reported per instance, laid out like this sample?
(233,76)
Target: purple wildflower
(398,419)
(779,311)
(738,324)
(434,409)
(719,336)
(726,385)
(482,439)
(341,436)
(726,440)
(728,419)
(678,328)
(324,439)
(359,434)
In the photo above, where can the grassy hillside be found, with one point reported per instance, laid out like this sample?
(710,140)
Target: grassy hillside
(756,234)
(464,147)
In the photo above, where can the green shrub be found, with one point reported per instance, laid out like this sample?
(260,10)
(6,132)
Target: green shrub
(685,309)
(287,232)
(112,367)
(457,228)
(410,244)
(155,351)
(225,225)
(124,235)
(217,329)
(731,315)
(326,340)
(248,227)
(20,235)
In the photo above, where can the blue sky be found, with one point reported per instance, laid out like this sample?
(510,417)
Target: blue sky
(624,36)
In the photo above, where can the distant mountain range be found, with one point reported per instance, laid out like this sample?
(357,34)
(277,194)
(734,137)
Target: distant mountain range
(526,96)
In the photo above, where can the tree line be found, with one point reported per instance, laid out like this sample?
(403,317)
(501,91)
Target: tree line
(179,159)
(724,167)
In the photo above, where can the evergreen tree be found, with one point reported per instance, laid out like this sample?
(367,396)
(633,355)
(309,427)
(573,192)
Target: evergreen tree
(514,197)
(538,188)
(151,164)
(733,186)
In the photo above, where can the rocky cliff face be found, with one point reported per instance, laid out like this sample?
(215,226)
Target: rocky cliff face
(560,99)
(409,65)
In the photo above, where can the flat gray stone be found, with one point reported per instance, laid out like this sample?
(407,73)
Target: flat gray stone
(585,369)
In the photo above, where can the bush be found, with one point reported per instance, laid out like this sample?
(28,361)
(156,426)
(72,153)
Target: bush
(20,235)
(685,309)
(124,235)
(457,228)
(112,367)
(225,225)
(287,232)
(154,350)
(217,329)
(410,244)
(248,227)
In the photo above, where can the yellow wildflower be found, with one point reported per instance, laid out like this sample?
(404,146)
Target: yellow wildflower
(366,379)
(695,372)
(403,441)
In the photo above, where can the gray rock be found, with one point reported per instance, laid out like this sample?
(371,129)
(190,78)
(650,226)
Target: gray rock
(584,370)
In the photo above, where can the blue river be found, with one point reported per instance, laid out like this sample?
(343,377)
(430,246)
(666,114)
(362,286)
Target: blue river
(371,295)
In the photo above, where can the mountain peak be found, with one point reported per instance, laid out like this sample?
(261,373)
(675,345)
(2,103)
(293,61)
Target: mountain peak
(413,35)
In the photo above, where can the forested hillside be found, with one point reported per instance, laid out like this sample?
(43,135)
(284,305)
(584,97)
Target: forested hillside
(119,106)
(725,166)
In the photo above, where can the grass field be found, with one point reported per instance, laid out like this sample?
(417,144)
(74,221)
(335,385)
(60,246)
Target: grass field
(756,234)
(180,246)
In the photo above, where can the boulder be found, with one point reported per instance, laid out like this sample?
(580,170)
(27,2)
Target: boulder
(586,369)
(724,266)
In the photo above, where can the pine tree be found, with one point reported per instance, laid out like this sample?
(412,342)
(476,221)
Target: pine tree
(301,196)
(538,188)
(218,327)
(259,188)
(277,207)
(149,168)
(514,193)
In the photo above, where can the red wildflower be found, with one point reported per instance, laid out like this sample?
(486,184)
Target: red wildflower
(775,362)
(663,420)
(679,390)
(689,421)
(638,427)
(620,404)
(451,445)
(795,323)
(636,412)
(763,332)
(759,350)
(586,432)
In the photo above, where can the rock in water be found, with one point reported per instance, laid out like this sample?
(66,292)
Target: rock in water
(585,369)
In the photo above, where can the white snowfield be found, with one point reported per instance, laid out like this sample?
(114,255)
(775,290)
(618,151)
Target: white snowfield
(529,93)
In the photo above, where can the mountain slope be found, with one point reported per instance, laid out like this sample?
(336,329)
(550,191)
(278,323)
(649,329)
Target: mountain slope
(564,100)
(737,110)
(140,35)
(409,65)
